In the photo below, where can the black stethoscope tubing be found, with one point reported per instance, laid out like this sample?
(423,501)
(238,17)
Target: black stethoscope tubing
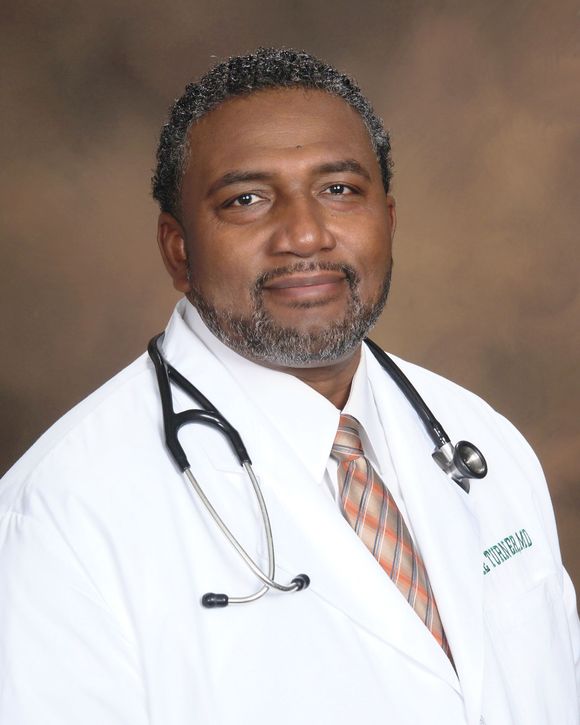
(208,414)
(432,425)
(461,462)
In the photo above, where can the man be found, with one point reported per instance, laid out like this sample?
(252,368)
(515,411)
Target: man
(426,604)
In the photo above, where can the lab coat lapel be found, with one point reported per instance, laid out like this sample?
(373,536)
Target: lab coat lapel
(445,529)
(310,535)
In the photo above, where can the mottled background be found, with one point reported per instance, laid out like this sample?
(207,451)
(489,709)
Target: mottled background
(482,99)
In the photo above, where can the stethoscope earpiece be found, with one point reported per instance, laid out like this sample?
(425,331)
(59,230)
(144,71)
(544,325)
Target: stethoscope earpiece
(302,581)
(213,601)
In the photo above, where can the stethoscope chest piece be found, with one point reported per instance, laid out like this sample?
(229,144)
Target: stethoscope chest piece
(461,462)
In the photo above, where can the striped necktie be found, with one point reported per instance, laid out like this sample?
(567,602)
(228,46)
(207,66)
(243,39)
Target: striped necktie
(372,512)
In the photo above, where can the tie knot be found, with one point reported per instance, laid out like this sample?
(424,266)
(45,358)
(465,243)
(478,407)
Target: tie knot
(347,445)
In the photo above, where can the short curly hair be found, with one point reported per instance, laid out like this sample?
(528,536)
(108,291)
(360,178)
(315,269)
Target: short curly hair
(242,75)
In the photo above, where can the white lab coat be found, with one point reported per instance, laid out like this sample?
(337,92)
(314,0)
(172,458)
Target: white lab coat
(105,554)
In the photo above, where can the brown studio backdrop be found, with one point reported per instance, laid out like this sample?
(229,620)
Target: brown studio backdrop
(481,98)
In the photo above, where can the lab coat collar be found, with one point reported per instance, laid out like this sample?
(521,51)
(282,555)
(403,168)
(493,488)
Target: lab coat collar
(312,537)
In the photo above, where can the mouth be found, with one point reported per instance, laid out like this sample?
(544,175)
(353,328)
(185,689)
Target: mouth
(303,286)
(312,279)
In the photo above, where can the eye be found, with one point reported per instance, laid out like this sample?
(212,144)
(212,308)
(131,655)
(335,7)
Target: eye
(247,199)
(339,190)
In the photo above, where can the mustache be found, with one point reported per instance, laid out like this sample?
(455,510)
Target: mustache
(351,275)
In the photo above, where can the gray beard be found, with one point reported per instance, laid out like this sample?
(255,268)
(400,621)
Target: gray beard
(258,337)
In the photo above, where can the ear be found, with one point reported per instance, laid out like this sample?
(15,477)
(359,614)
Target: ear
(171,241)
(392,212)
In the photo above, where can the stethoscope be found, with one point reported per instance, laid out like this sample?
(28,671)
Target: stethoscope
(461,462)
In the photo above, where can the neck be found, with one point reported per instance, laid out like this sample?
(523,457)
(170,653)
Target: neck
(333,381)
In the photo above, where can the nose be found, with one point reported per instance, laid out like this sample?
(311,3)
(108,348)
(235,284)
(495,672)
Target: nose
(301,228)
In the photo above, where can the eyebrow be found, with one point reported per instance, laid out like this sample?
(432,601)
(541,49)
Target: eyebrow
(332,167)
(235,177)
(336,167)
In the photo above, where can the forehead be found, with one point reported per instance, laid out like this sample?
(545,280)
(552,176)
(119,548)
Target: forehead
(277,128)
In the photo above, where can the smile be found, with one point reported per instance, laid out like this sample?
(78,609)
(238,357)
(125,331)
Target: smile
(306,286)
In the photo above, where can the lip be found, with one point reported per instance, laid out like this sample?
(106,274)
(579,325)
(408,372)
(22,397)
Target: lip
(314,288)
(300,281)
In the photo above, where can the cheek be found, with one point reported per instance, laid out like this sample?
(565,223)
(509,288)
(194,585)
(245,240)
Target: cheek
(222,276)
(374,272)
(375,255)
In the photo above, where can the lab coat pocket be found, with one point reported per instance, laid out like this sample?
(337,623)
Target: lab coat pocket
(516,613)
(527,644)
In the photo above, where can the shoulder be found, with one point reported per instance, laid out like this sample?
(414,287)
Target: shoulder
(110,447)
(450,396)
(83,435)
(515,473)
(438,392)
(436,385)
(466,416)
(515,488)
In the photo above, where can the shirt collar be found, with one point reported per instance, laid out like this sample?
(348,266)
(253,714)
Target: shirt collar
(303,417)
(361,405)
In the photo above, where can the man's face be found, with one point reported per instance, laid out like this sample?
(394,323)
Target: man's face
(286,228)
